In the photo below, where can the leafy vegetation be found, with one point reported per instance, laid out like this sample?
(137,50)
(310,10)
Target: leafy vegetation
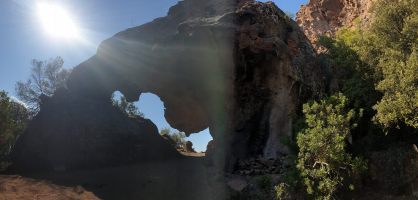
(381,61)
(323,160)
(13,117)
(179,138)
(376,79)
(46,77)
(281,191)
(396,37)
(126,107)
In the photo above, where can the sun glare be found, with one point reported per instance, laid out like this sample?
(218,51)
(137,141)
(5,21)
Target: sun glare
(57,22)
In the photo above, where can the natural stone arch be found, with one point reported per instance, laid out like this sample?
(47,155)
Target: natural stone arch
(241,69)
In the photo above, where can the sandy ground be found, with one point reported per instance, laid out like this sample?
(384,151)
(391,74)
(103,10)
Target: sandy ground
(20,188)
(184,179)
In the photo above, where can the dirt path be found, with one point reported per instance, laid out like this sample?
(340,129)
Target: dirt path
(20,188)
(184,179)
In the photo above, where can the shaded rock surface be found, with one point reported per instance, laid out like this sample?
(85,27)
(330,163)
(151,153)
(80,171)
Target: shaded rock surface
(182,179)
(261,166)
(240,68)
(326,17)
(72,132)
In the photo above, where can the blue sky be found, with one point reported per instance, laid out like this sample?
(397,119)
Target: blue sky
(22,39)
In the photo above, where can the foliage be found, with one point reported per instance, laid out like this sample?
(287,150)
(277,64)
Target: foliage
(354,77)
(13,117)
(377,69)
(282,191)
(46,77)
(165,131)
(382,59)
(395,29)
(322,160)
(126,107)
(179,138)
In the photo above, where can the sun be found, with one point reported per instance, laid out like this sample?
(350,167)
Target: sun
(57,22)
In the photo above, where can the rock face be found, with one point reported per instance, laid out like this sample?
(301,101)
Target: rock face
(73,132)
(326,17)
(240,68)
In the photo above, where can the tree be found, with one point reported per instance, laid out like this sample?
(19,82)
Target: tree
(353,76)
(126,107)
(322,160)
(13,117)
(45,78)
(381,62)
(165,131)
(395,31)
(179,138)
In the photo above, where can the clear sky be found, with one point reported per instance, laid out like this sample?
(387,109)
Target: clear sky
(23,37)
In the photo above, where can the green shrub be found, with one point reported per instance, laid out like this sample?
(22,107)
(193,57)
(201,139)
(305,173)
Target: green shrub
(13,117)
(179,138)
(381,62)
(395,29)
(281,191)
(322,160)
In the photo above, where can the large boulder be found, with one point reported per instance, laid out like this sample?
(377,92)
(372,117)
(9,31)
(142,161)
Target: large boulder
(240,67)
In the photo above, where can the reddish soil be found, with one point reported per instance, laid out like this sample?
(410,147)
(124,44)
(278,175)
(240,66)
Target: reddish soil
(20,188)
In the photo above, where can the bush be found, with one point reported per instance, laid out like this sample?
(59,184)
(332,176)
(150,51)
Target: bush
(179,138)
(128,108)
(13,117)
(282,191)
(322,160)
(381,62)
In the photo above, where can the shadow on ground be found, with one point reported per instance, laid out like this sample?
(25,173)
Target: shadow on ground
(184,179)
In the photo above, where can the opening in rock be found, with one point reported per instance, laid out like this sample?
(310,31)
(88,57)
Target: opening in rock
(153,108)
(129,108)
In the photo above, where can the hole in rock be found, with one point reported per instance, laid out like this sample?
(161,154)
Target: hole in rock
(151,107)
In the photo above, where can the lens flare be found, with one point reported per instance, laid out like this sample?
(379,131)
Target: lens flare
(57,22)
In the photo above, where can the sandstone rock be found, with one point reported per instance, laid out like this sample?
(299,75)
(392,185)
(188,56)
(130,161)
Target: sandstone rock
(326,17)
(240,68)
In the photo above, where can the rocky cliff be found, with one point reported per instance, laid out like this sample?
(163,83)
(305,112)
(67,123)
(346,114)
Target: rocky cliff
(326,17)
(240,67)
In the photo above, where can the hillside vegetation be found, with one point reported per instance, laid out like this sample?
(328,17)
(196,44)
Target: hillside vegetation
(370,119)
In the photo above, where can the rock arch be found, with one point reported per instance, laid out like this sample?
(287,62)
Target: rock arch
(238,67)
